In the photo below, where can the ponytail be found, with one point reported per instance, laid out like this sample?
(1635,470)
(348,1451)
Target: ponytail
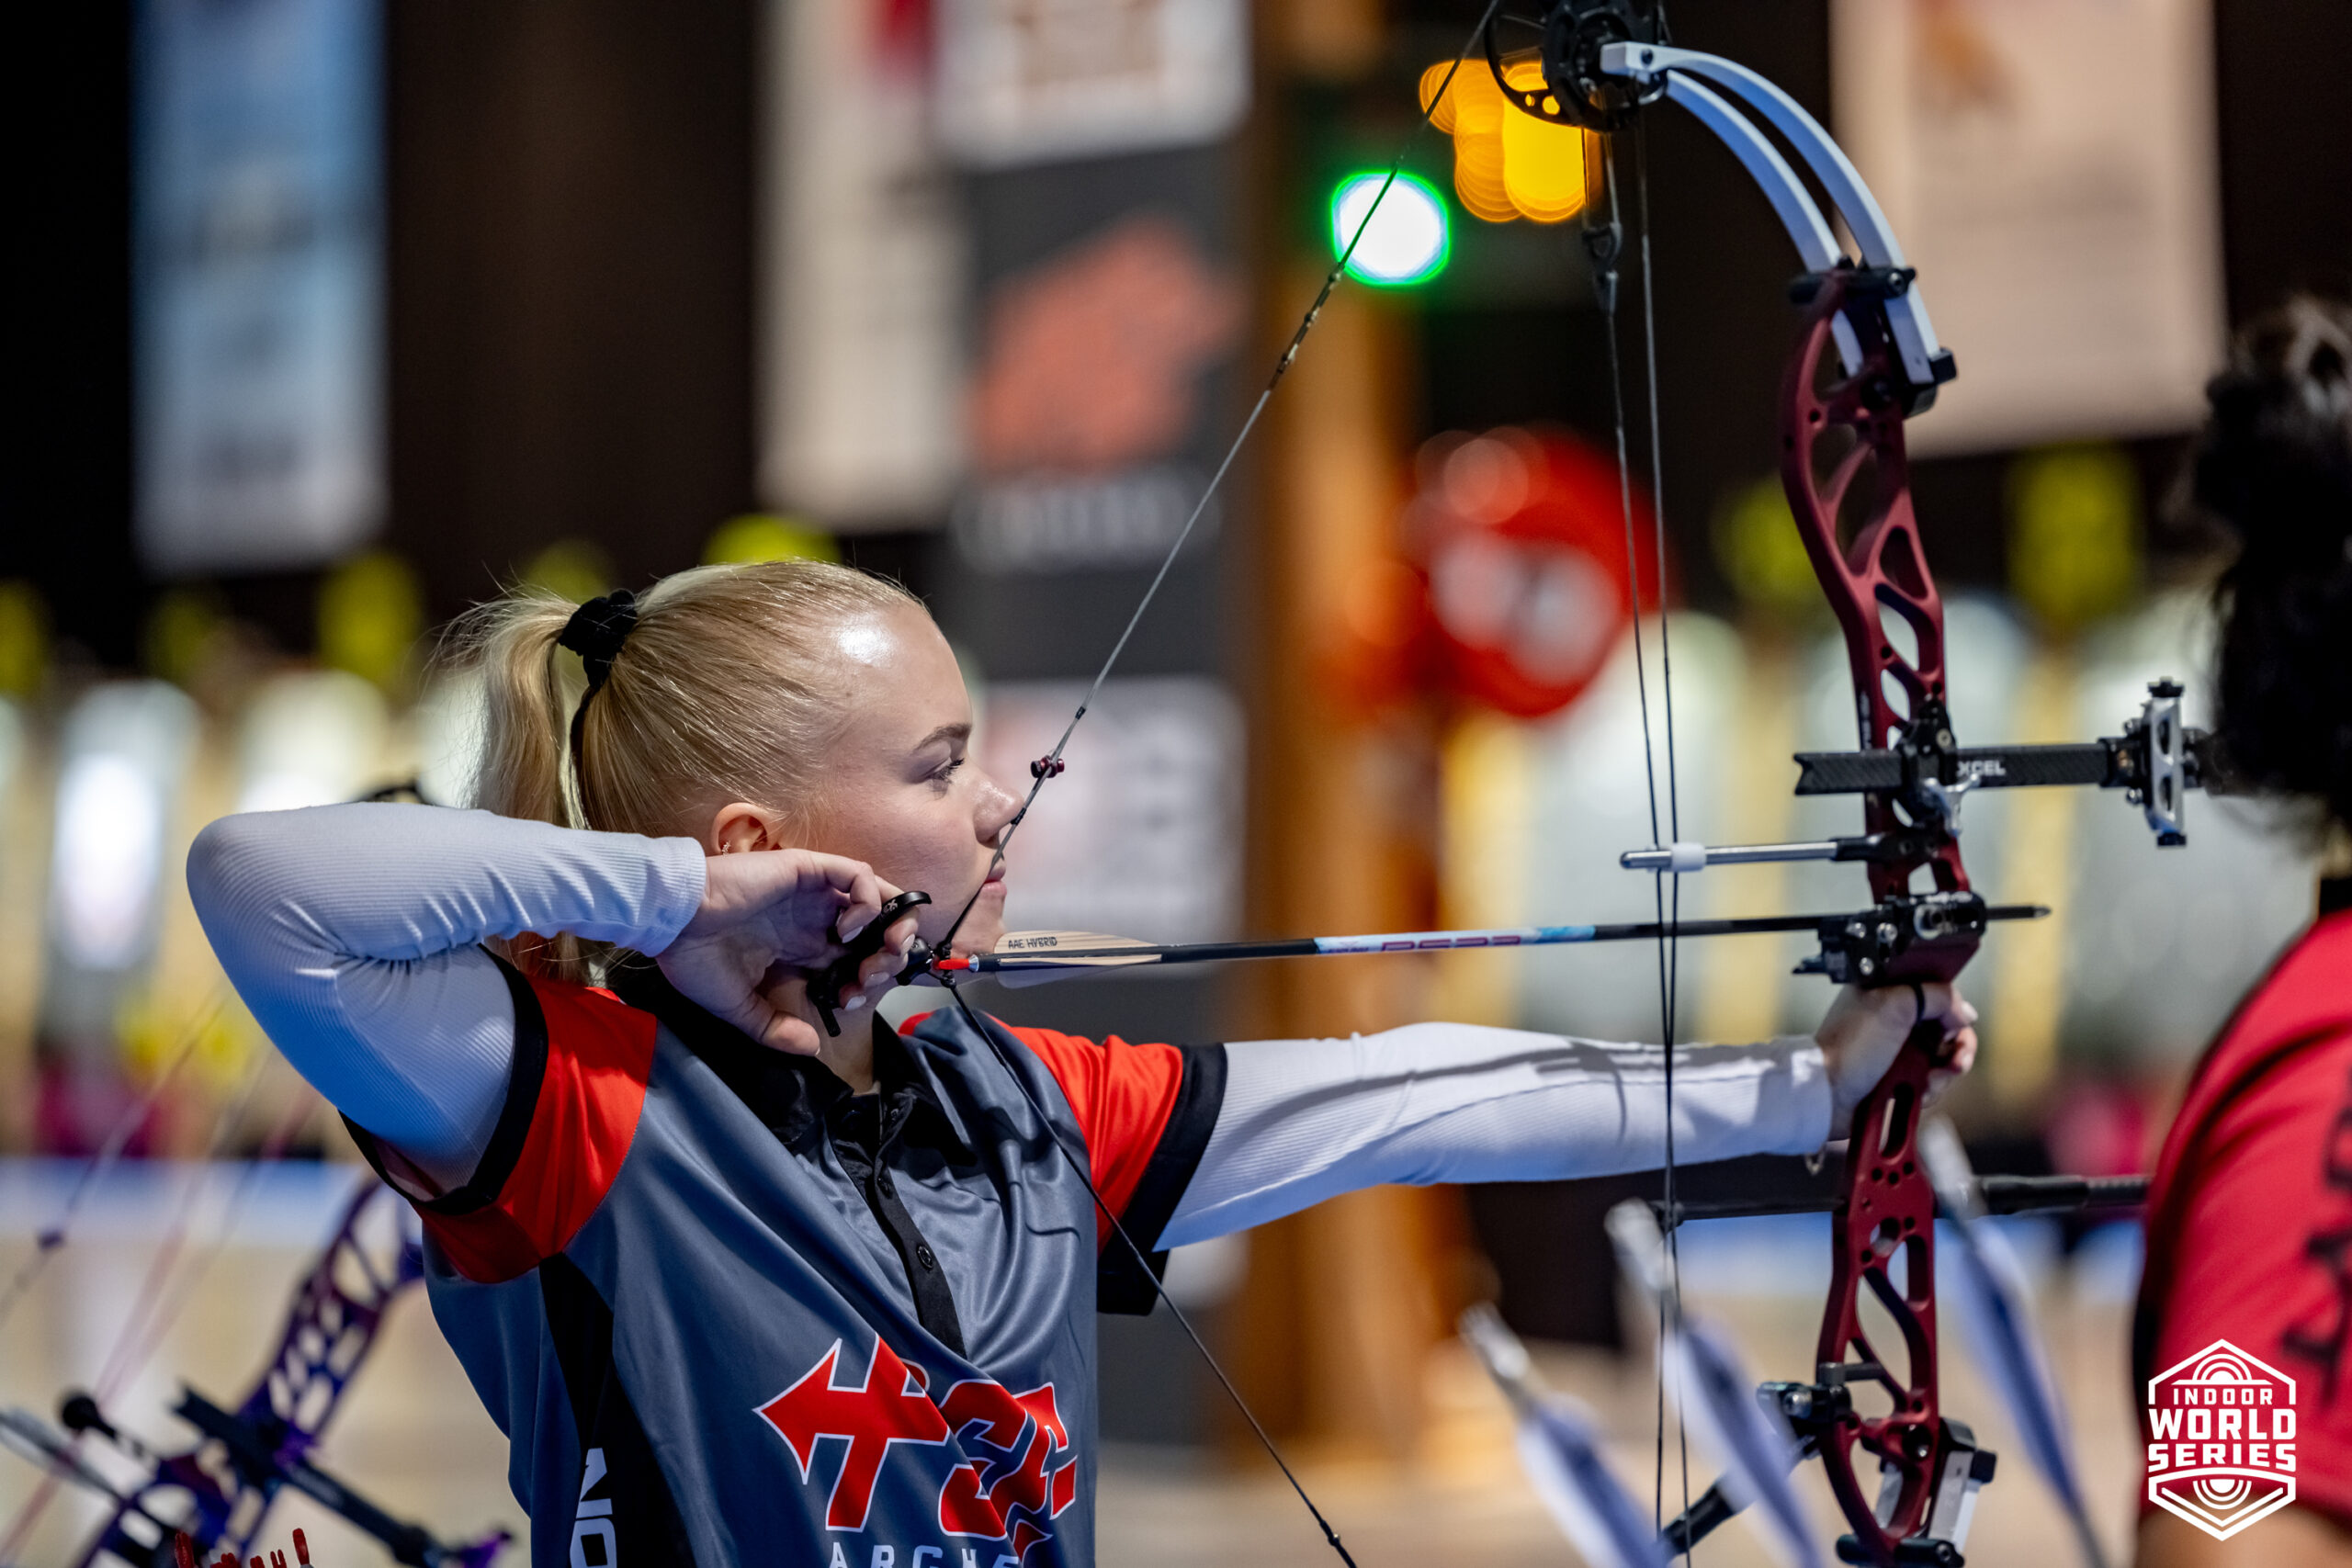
(728,689)
(526,703)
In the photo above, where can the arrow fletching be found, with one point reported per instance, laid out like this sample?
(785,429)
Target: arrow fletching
(1031,958)
(1715,1397)
(1994,1298)
(1560,1451)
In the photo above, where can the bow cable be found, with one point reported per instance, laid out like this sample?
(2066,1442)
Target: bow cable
(1603,242)
(1670,973)
(1050,765)
(1143,1261)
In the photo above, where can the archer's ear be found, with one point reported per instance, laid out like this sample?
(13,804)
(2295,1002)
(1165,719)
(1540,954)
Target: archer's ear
(740,826)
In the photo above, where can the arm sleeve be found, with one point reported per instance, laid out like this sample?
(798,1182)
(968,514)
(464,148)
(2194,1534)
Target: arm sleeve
(1306,1120)
(351,931)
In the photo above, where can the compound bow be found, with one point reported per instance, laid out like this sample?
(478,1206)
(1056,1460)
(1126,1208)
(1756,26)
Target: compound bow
(218,1491)
(1866,359)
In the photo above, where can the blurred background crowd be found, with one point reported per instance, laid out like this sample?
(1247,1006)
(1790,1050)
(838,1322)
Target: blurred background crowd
(333,316)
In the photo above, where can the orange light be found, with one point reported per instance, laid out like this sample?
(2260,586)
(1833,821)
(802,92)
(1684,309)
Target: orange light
(1507,164)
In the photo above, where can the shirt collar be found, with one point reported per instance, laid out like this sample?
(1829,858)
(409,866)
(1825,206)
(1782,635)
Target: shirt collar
(789,1092)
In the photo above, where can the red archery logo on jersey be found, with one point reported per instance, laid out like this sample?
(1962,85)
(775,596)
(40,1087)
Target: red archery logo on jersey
(1025,1468)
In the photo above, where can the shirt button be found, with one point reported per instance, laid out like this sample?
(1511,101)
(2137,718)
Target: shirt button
(889,1188)
(924,1255)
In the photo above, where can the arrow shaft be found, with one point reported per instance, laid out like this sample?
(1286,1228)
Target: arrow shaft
(1402,942)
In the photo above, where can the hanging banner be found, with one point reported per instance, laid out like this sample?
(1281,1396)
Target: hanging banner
(1034,81)
(1086,403)
(2049,167)
(259,283)
(862,276)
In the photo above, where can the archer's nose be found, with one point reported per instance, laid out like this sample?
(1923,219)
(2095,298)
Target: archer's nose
(998,808)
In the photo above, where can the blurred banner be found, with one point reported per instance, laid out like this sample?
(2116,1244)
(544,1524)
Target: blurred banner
(2051,168)
(1026,81)
(861,276)
(1085,413)
(1110,298)
(259,280)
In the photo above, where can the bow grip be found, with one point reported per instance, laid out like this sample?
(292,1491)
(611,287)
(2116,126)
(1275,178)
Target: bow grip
(827,985)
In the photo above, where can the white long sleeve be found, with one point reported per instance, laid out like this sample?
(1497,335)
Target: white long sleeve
(1306,1120)
(351,932)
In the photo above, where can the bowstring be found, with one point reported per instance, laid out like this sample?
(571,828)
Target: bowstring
(1049,766)
(135,1342)
(1672,997)
(1159,1289)
(59,1231)
(1669,945)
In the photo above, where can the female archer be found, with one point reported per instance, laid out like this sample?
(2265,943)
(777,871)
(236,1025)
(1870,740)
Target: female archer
(738,1289)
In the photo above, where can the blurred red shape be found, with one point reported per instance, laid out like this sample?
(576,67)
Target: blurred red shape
(1092,356)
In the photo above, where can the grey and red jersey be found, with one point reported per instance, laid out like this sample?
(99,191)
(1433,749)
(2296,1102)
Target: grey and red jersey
(727,1312)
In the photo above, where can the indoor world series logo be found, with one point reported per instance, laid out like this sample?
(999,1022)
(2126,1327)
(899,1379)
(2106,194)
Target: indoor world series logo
(2222,1454)
(1007,1498)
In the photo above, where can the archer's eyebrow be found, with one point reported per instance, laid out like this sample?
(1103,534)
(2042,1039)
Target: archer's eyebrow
(955,734)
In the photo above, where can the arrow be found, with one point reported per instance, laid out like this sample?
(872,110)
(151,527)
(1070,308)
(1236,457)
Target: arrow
(1758,1450)
(1993,1285)
(1561,1451)
(1055,955)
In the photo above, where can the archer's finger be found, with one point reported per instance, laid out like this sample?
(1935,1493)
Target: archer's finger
(1938,1001)
(863,894)
(879,973)
(1958,1056)
(1962,1058)
(766,1018)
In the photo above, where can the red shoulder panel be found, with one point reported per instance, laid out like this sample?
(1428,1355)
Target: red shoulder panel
(2250,1215)
(1123,1096)
(599,1052)
(2307,993)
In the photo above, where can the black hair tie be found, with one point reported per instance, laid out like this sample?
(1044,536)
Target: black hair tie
(595,632)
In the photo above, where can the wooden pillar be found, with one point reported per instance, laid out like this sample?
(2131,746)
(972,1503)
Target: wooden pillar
(1342,1303)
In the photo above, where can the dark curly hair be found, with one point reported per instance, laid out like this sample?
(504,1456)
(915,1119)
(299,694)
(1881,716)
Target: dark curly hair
(2274,467)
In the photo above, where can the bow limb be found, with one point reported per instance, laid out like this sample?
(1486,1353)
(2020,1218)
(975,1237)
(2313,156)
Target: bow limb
(1847,478)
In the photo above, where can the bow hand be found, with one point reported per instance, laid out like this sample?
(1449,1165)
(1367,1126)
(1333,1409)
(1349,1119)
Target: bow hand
(1865,1030)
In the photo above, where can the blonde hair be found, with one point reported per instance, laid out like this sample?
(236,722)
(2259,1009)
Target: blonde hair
(726,689)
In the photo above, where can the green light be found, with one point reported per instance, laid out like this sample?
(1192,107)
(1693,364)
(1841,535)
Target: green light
(1408,239)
